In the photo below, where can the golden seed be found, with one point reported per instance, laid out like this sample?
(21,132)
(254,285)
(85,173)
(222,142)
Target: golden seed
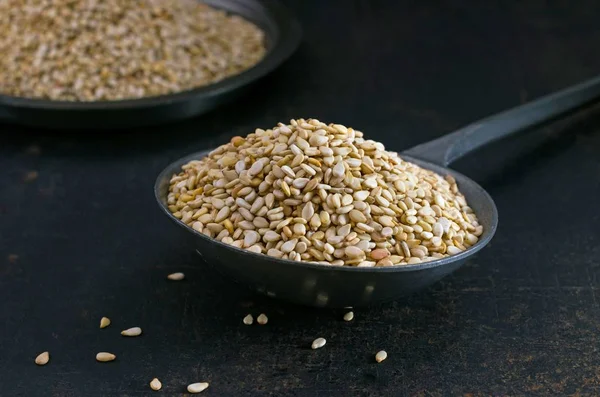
(155,384)
(197,387)
(349,316)
(318,343)
(286,189)
(135,331)
(248,320)
(176,276)
(228,225)
(105,357)
(104,322)
(42,358)
(262,319)
(237,141)
(314,161)
(380,356)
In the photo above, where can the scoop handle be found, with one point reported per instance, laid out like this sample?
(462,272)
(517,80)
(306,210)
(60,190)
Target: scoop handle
(448,148)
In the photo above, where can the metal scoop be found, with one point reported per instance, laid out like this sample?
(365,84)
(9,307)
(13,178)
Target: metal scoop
(338,286)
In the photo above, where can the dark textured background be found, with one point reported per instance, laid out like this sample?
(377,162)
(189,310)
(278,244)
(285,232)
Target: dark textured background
(85,239)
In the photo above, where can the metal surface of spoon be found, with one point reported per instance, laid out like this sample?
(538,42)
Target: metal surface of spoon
(339,286)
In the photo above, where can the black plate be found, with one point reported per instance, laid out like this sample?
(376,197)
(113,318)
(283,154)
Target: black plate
(282,34)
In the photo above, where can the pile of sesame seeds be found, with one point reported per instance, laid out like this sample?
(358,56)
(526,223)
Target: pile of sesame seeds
(91,50)
(315,192)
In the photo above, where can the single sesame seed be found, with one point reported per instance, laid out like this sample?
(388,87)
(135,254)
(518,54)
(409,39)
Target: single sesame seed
(105,357)
(42,358)
(176,276)
(135,331)
(380,356)
(318,343)
(104,322)
(155,384)
(197,387)
(262,319)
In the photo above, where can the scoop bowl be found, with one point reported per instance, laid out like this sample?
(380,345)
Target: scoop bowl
(330,286)
(339,286)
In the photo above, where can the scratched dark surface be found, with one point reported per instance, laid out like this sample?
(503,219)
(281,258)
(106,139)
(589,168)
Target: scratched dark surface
(83,239)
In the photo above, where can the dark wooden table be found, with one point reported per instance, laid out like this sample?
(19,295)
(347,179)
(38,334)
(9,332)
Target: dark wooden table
(81,236)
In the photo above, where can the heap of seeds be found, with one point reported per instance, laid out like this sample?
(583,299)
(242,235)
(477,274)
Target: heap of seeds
(322,193)
(90,50)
